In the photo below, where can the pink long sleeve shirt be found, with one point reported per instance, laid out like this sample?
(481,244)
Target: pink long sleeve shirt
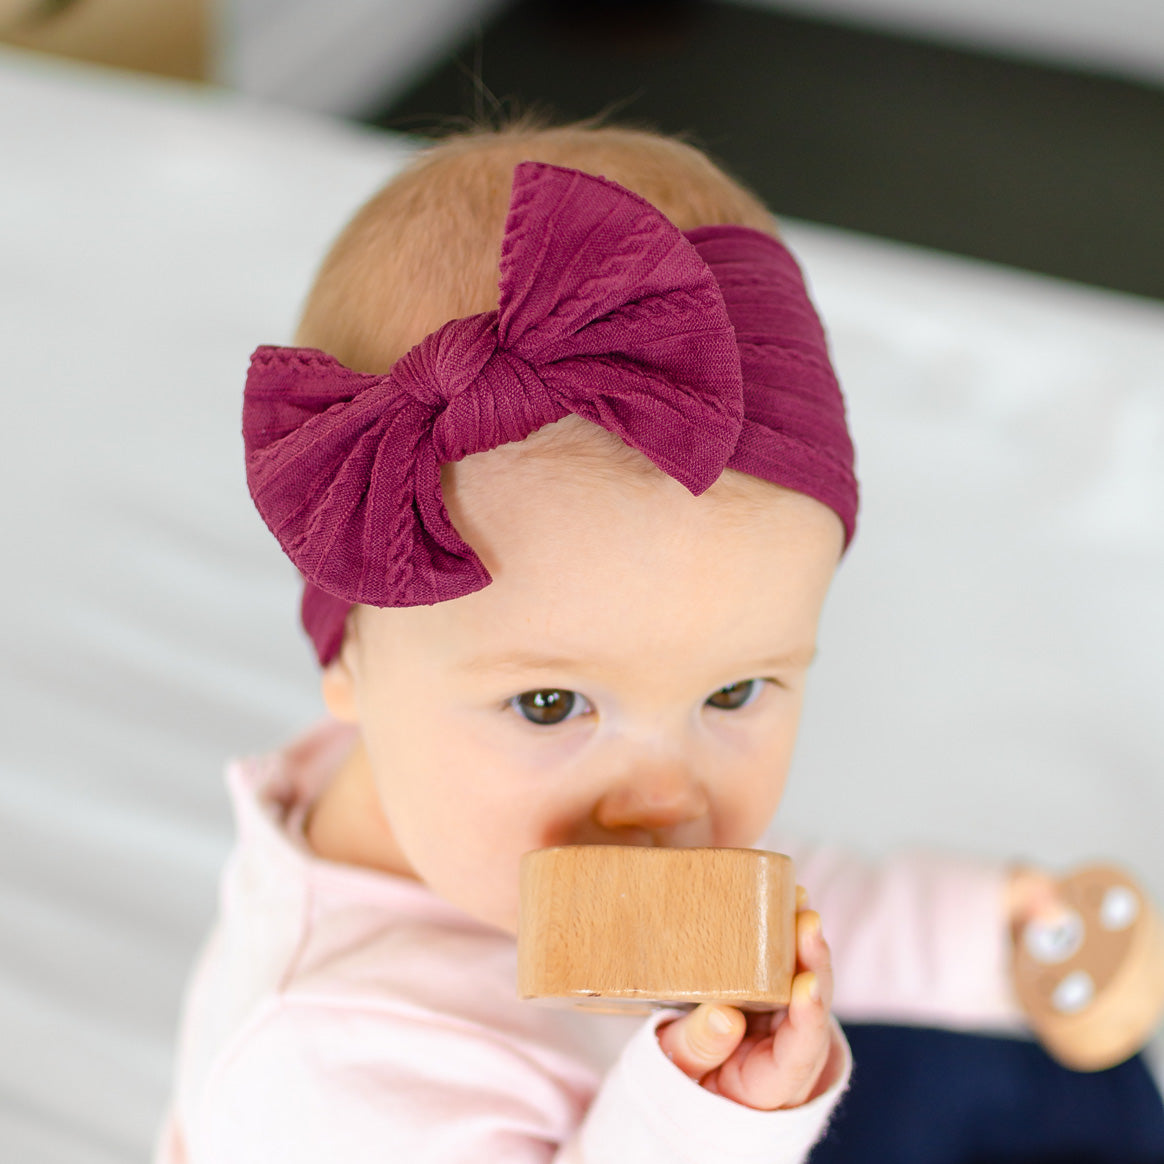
(341,1015)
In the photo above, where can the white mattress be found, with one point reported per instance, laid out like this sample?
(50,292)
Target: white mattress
(992,662)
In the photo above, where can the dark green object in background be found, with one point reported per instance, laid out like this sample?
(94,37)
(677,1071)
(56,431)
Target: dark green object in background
(1036,167)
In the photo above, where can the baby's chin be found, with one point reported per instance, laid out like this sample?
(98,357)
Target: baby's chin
(497,912)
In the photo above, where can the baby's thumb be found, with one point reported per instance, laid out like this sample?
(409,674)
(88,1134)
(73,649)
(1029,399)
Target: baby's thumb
(701,1041)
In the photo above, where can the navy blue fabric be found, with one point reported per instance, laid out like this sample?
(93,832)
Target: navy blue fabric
(921,1096)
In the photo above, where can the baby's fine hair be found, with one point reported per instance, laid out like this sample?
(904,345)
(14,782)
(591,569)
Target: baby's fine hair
(425,249)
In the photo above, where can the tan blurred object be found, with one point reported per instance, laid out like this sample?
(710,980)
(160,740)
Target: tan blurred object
(622,928)
(170,37)
(1092,980)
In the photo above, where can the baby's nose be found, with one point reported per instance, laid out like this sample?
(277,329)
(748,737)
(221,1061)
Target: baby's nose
(654,800)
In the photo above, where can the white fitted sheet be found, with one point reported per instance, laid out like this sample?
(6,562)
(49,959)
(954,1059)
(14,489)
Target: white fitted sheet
(992,660)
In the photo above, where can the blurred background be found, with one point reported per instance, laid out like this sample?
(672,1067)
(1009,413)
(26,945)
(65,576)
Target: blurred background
(1025,132)
(171,172)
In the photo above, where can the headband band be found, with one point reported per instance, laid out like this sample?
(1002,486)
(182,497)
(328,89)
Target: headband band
(701,350)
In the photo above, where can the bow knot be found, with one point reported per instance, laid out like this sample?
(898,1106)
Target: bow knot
(481,395)
(448,360)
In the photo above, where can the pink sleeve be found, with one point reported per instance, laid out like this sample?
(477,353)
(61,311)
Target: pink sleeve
(304,1086)
(917,938)
(649,1112)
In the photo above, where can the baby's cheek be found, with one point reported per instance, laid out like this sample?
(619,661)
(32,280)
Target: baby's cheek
(743,822)
(476,877)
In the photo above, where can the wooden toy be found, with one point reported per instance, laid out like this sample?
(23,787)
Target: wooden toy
(1092,979)
(619,927)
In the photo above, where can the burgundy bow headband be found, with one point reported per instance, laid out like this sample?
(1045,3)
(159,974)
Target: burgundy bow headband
(700,349)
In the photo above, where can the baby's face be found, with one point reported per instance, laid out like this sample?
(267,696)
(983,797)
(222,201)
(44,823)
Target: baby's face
(633,675)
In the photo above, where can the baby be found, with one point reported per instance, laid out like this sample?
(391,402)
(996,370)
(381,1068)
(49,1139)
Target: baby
(565,555)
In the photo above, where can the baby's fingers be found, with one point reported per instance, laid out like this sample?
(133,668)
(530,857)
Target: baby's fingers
(700,1041)
(801,1046)
(813,955)
(784,1069)
(788,1066)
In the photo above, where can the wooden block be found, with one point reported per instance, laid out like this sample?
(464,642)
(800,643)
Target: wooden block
(1092,983)
(619,927)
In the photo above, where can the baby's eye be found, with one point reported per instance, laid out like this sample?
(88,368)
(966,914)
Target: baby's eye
(550,706)
(736,695)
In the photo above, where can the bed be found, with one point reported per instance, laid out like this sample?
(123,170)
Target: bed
(991,664)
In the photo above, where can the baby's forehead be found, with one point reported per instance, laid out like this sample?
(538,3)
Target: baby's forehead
(625,585)
(597,555)
(574,452)
(543,512)
(541,516)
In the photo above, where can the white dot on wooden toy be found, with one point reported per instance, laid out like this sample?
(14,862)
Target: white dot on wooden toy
(1101,1005)
(1055,941)
(1120,908)
(1074,993)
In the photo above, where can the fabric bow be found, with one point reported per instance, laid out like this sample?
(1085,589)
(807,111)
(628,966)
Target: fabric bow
(606,311)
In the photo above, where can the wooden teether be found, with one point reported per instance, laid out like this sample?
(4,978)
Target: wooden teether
(617,927)
(1092,980)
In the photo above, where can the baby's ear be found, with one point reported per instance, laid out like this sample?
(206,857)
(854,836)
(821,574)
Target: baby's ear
(338,685)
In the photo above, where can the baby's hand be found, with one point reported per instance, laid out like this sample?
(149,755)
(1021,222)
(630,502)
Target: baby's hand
(1031,895)
(772,1059)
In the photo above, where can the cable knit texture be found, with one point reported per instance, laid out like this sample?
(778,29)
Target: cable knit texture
(701,350)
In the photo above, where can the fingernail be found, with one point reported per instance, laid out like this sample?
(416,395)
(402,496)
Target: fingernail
(719,1021)
(814,989)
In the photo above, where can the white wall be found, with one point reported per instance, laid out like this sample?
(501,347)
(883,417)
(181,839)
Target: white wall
(344,56)
(337,56)
(1120,37)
